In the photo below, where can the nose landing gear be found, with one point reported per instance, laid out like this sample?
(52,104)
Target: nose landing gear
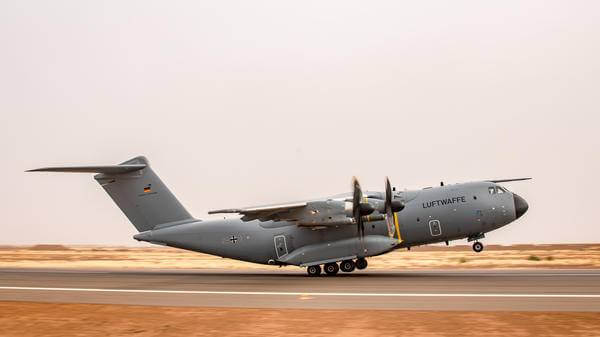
(478,247)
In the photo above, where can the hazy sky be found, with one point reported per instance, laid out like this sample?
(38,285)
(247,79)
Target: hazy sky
(240,103)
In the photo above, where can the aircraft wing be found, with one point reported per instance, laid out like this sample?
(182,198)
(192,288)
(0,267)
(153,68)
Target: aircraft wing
(308,213)
(507,180)
(264,213)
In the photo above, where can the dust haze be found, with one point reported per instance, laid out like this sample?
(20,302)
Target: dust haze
(241,103)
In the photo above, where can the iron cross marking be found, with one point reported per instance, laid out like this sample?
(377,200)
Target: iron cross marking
(233,239)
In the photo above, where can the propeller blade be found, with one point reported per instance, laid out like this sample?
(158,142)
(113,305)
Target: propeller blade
(388,192)
(356,196)
(356,211)
(389,213)
(391,207)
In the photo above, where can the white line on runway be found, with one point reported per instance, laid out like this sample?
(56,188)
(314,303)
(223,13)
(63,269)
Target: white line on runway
(277,293)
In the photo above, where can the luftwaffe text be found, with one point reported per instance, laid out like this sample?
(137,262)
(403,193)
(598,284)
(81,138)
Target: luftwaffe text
(442,202)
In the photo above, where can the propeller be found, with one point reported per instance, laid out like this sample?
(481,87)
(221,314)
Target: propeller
(391,206)
(359,210)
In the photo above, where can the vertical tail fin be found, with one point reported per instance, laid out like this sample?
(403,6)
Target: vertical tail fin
(137,190)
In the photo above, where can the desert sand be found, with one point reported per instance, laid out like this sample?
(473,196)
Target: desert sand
(62,319)
(427,257)
(57,319)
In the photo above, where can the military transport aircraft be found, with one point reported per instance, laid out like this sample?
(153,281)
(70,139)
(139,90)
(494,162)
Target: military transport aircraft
(338,232)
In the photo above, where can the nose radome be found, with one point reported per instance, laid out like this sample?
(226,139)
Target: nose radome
(521,206)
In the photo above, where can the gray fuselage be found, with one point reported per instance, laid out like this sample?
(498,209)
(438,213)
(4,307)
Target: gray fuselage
(430,215)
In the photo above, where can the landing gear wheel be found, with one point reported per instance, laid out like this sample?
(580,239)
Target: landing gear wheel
(331,268)
(314,270)
(478,247)
(361,263)
(347,266)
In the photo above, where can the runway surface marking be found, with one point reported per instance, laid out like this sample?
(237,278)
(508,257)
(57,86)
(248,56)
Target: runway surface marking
(276,293)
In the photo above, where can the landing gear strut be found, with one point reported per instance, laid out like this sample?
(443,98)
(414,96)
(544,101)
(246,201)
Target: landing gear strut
(361,263)
(347,266)
(331,268)
(478,247)
(314,270)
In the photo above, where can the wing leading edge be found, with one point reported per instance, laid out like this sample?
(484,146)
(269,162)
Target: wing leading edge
(507,180)
(264,213)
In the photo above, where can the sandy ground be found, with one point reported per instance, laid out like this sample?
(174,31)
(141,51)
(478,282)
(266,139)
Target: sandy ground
(57,319)
(61,319)
(520,256)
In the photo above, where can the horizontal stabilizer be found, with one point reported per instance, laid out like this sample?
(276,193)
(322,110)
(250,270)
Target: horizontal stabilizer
(137,190)
(107,169)
(507,180)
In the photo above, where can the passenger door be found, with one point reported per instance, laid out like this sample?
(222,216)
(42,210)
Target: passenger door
(280,246)
(435,228)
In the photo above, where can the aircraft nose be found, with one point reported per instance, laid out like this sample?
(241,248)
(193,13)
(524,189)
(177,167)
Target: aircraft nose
(521,205)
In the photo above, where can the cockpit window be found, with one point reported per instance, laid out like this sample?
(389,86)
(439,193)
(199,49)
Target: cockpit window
(497,190)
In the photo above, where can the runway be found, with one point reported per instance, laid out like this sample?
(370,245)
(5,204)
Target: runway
(490,290)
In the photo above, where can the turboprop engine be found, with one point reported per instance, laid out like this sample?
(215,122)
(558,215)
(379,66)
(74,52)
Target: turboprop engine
(355,211)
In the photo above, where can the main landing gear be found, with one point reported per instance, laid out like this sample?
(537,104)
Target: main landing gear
(314,270)
(361,263)
(333,268)
(347,266)
(478,247)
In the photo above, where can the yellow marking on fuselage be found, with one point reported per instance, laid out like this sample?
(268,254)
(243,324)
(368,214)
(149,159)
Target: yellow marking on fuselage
(397,227)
